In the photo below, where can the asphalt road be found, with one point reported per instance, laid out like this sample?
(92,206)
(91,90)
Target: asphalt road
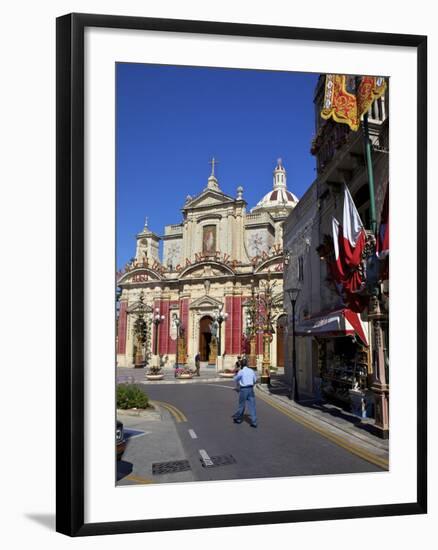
(278,447)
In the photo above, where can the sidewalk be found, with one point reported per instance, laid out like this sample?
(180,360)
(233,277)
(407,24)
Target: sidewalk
(331,421)
(152,443)
(138,376)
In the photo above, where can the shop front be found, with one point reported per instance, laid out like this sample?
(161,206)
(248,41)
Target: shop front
(343,359)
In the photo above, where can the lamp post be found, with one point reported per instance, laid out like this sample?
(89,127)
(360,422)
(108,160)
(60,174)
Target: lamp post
(157,319)
(177,325)
(219,318)
(293,296)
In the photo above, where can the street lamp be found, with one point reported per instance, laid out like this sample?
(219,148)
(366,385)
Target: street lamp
(293,294)
(157,319)
(219,318)
(177,325)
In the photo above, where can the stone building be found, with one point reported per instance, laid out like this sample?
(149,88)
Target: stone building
(335,346)
(214,260)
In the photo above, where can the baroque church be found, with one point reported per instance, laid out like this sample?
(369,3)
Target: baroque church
(214,261)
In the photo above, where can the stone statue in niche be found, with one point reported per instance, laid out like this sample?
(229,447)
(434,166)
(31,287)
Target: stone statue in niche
(209,240)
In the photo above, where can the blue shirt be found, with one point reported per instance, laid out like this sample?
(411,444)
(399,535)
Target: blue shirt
(246,377)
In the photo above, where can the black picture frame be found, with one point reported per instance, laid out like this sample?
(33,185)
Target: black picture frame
(70,273)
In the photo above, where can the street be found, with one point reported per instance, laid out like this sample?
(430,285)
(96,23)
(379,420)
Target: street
(196,427)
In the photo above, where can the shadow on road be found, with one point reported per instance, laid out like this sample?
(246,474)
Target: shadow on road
(124,469)
(280,386)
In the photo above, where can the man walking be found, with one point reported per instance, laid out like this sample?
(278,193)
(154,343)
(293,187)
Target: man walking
(246,378)
(197,363)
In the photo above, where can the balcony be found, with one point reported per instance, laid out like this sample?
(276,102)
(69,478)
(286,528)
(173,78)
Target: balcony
(330,137)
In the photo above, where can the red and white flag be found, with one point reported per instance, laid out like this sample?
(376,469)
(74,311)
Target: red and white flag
(349,241)
(353,231)
(382,245)
(338,267)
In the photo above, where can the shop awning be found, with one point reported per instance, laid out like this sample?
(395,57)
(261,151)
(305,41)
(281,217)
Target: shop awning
(341,322)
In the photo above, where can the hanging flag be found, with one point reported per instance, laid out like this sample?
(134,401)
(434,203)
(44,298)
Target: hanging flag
(369,88)
(338,268)
(347,98)
(353,232)
(340,100)
(382,244)
(349,242)
(345,270)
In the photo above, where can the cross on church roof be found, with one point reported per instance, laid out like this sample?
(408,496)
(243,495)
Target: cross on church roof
(213,163)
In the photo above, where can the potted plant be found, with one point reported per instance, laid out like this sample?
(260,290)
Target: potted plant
(183,372)
(154,372)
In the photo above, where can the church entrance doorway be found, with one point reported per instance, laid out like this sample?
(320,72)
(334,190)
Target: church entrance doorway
(207,344)
(281,325)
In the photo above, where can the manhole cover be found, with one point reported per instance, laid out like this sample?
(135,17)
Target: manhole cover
(221,460)
(170,467)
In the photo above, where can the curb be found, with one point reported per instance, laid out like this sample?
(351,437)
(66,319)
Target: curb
(144,414)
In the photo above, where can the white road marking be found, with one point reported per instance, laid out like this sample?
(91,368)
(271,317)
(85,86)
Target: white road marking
(192,434)
(206,459)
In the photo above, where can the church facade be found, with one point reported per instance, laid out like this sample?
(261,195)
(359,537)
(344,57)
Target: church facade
(215,261)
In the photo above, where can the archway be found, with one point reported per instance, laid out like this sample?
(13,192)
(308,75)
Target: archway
(281,326)
(207,345)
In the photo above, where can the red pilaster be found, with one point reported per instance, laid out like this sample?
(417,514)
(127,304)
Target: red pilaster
(153,327)
(228,325)
(122,326)
(236,326)
(259,344)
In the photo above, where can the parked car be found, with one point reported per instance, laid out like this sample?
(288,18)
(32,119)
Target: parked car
(120,440)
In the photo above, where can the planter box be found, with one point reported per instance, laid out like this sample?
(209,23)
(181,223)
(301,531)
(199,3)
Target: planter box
(154,376)
(186,376)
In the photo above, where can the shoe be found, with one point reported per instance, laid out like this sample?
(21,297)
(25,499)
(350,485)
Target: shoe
(253,425)
(236,421)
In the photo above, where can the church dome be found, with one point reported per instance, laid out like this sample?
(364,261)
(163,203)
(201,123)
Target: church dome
(277,198)
(280,198)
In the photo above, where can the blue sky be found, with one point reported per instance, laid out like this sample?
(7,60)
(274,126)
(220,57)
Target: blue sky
(170,121)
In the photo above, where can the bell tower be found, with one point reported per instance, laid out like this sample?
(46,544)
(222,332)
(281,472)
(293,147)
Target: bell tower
(147,244)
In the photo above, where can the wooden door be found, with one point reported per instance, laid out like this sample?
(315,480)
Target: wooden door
(205,338)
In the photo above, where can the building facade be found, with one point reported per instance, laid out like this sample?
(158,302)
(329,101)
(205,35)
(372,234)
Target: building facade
(339,353)
(214,260)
